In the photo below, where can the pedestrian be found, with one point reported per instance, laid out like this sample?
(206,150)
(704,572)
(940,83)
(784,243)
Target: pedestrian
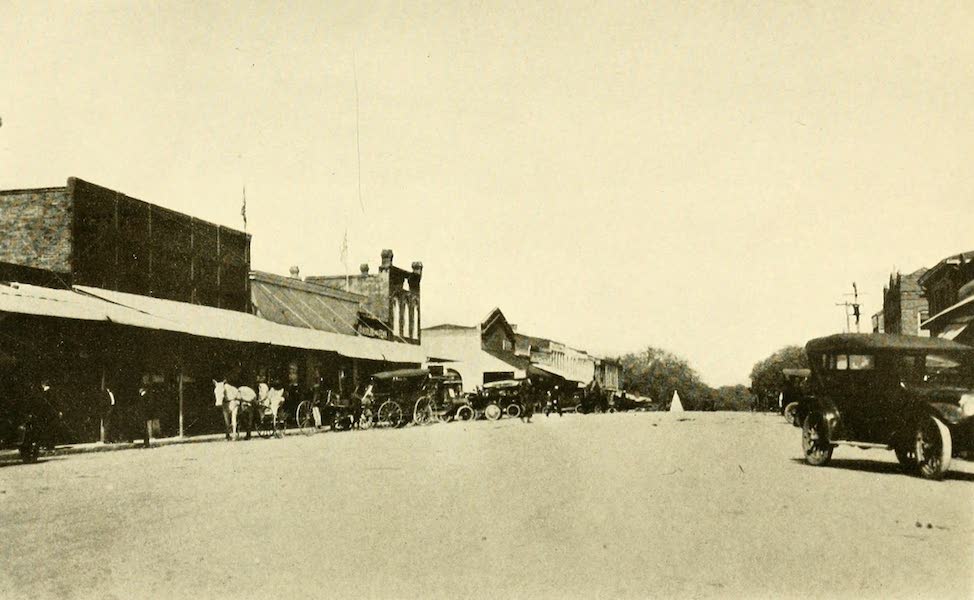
(146,406)
(106,404)
(527,402)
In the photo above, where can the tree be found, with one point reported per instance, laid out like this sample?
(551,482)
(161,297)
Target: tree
(733,397)
(767,380)
(657,373)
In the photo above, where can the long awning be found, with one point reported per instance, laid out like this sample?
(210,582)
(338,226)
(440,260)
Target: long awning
(556,371)
(96,304)
(952,330)
(206,321)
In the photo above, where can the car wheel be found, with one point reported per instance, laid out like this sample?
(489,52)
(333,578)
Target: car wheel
(514,410)
(791,414)
(465,413)
(933,448)
(493,412)
(815,442)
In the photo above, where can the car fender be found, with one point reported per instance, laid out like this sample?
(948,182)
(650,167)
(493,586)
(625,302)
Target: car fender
(824,406)
(951,414)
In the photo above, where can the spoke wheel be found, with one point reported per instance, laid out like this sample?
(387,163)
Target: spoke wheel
(465,413)
(933,448)
(305,418)
(815,443)
(264,425)
(493,412)
(514,410)
(423,411)
(390,414)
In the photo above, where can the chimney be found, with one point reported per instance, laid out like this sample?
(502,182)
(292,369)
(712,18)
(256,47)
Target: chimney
(295,272)
(364,268)
(386,260)
(418,268)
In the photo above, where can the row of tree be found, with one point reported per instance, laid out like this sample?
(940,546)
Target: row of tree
(657,373)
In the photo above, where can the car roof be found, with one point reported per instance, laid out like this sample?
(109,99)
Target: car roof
(872,342)
(504,383)
(401,374)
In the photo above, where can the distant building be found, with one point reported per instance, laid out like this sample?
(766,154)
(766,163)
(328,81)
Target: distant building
(559,359)
(85,234)
(878,323)
(608,374)
(904,306)
(949,288)
(392,298)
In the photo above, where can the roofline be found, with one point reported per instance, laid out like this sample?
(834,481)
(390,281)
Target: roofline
(290,282)
(954,259)
(872,342)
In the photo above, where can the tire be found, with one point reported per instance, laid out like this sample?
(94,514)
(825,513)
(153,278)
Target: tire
(815,445)
(423,412)
(933,446)
(465,413)
(514,410)
(390,415)
(612,410)
(304,415)
(493,412)
(791,414)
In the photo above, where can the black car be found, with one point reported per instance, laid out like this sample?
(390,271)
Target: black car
(909,394)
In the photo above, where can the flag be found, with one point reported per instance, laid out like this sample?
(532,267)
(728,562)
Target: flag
(243,208)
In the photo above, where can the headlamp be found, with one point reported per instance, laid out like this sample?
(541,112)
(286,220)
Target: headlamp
(967,404)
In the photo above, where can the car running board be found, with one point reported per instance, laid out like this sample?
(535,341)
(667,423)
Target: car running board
(863,445)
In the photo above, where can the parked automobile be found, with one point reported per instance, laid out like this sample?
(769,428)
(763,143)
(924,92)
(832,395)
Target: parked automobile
(909,394)
(794,391)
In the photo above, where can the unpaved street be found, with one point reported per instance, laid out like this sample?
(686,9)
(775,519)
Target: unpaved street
(625,505)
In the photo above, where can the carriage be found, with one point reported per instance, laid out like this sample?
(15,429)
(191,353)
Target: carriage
(445,402)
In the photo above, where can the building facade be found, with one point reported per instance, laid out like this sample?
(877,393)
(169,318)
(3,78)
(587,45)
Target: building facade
(904,306)
(85,234)
(949,287)
(392,309)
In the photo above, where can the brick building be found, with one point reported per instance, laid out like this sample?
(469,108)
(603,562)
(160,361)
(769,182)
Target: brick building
(84,234)
(949,288)
(392,309)
(904,306)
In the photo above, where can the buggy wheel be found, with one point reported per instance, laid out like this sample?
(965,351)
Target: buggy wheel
(263,426)
(815,442)
(933,448)
(465,413)
(423,411)
(367,419)
(305,418)
(791,414)
(493,412)
(612,410)
(514,411)
(390,414)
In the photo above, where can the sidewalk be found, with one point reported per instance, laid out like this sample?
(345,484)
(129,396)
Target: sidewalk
(12,454)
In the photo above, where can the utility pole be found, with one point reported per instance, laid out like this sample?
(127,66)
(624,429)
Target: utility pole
(855,308)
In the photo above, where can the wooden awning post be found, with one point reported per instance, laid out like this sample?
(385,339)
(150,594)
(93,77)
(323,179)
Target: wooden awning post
(179,378)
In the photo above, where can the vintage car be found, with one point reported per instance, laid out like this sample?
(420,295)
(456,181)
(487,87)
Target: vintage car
(909,394)
(498,398)
(792,393)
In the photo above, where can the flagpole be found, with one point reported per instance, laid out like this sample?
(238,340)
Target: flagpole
(243,208)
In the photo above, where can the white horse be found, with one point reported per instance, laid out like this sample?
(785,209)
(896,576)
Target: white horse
(270,399)
(233,400)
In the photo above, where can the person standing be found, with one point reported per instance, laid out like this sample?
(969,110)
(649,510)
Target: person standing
(527,401)
(146,407)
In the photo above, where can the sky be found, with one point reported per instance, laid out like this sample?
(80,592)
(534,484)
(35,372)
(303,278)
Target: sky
(708,178)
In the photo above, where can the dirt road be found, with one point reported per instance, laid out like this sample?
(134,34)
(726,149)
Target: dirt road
(626,505)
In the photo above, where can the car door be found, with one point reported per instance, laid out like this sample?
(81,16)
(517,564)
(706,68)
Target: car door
(850,377)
